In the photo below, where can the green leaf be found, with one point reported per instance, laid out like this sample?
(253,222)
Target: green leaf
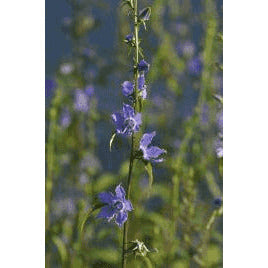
(149,169)
(87,215)
(61,248)
(111,141)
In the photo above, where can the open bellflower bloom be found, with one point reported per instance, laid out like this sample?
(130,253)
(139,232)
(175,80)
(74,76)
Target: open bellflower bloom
(150,153)
(143,66)
(116,206)
(127,121)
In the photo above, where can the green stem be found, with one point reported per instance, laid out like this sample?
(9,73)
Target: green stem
(125,232)
(136,108)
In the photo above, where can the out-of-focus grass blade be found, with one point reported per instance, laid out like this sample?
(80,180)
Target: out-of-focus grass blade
(61,248)
(87,215)
(149,169)
(147,262)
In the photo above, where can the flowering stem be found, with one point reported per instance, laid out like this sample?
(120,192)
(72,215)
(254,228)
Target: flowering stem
(136,108)
(124,260)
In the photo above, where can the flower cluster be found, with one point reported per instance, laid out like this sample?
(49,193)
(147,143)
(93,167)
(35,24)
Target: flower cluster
(127,122)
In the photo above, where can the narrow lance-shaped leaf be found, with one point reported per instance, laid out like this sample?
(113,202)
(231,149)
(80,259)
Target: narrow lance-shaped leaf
(61,248)
(149,169)
(111,141)
(87,215)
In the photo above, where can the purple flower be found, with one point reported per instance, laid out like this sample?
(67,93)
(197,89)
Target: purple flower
(219,140)
(150,153)
(49,87)
(194,66)
(127,88)
(81,102)
(182,29)
(219,146)
(116,206)
(129,38)
(89,90)
(186,49)
(141,85)
(66,68)
(65,119)
(141,81)
(217,202)
(143,66)
(127,121)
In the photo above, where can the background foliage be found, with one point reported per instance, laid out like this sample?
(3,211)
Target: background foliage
(178,215)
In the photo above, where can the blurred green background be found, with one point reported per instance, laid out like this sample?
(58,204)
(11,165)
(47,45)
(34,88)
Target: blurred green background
(86,62)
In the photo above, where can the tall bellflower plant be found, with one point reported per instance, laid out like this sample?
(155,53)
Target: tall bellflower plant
(128,124)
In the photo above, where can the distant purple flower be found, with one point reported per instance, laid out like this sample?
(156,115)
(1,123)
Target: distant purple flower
(65,119)
(182,29)
(49,87)
(219,146)
(81,102)
(127,88)
(88,52)
(67,21)
(220,122)
(83,179)
(219,140)
(186,49)
(194,66)
(66,68)
(143,66)
(127,121)
(129,38)
(217,202)
(89,90)
(150,153)
(116,206)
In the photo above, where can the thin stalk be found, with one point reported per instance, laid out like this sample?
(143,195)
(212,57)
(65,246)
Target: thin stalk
(131,161)
(125,232)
